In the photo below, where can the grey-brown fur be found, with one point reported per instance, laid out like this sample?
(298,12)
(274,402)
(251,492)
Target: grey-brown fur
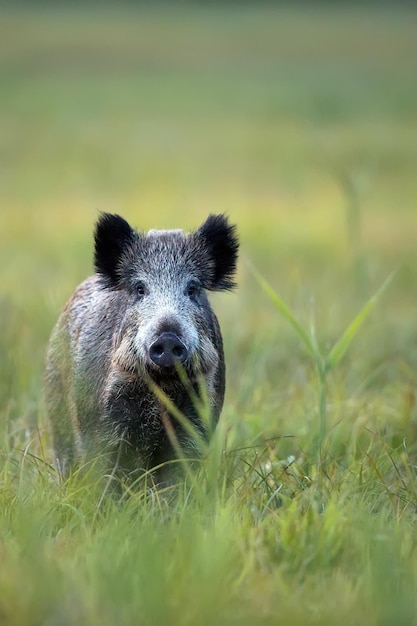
(143,310)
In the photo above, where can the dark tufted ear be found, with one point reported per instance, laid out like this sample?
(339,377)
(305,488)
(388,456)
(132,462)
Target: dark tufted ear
(112,237)
(220,240)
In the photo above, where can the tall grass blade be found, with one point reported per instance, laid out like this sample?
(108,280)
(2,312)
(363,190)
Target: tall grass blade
(186,424)
(340,347)
(309,344)
(191,430)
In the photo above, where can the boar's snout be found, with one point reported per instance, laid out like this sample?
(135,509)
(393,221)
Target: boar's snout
(167,350)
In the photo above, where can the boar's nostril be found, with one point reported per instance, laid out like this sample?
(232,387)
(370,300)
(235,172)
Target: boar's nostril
(158,349)
(167,350)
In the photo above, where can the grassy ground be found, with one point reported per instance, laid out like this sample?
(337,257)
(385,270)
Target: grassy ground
(302,126)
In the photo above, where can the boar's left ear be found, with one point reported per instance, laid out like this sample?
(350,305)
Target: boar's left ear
(220,240)
(112,237)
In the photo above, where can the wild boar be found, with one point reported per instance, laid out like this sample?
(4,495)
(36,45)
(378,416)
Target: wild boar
(142,322)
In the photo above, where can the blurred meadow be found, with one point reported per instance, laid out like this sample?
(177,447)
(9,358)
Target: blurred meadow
(300,123)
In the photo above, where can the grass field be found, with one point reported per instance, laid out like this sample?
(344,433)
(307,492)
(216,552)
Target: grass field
(301,125)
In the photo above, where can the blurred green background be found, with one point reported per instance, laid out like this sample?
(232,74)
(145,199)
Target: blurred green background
(299,122)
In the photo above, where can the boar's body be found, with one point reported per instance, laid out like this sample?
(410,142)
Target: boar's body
(126,329)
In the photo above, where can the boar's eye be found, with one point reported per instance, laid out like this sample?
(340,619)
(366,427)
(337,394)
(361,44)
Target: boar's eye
(140,288)
(193,289)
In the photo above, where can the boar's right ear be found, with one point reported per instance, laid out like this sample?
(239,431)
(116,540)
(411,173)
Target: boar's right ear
(220,240)
(112,236)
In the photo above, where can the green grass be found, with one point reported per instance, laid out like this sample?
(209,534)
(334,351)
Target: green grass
(302,126)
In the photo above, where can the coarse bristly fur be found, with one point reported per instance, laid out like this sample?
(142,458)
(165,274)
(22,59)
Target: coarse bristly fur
(125,331)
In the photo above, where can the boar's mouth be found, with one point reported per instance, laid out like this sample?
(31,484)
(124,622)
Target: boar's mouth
(171,379)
